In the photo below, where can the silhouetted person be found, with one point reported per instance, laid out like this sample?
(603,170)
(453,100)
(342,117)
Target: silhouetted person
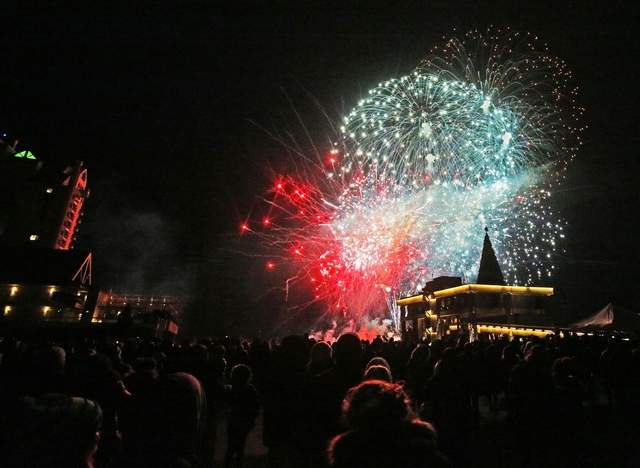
(495,378)
(419,371)
(145,377)
(448,394)
(320,359)
(529,398)
(383,431)
(215,386)
(378,361)
(125,320)
(284,403)
(48,372)
(97,380)
(114,352)
(243,411)
(50,431)
(377,372)
(329,388)
(378,369)
(134,416)
(171,425)
(259,359)
(568,417)
(474,370)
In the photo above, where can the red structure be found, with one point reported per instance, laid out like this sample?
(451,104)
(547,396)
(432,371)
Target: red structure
(77,181)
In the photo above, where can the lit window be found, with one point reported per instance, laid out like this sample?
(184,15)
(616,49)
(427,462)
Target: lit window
(33,237)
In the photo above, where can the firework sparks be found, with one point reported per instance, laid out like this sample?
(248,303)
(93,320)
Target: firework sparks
(476,136)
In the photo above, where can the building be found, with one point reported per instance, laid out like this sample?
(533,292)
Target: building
(487,306)
(44,281)
(44,285)
(51,289)
(158,314)
(40,205)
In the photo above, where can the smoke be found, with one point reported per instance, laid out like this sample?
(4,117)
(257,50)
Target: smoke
(135,250)
(366,329)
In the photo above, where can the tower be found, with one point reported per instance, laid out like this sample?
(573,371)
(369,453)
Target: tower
(489,271)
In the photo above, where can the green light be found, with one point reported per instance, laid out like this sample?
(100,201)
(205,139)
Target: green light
(25,154)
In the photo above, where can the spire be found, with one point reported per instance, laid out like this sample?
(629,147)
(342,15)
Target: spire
(489,271)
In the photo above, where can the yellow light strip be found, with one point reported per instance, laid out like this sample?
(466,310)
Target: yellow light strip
(480,288)
(494,289)
(410,300)
(514,331)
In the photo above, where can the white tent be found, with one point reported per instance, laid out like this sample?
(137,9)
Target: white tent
(609,318)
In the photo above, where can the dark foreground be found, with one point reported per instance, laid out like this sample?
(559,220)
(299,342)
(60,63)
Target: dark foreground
(554,402)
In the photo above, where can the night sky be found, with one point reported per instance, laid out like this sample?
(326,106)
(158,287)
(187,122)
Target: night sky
(168,108)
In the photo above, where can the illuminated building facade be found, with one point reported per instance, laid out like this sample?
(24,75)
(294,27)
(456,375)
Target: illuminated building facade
(158,313)
(487,306)
(49,288)
(40,206)
(44,285)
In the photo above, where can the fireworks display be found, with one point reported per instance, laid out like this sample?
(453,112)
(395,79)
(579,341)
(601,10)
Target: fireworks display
(477,136)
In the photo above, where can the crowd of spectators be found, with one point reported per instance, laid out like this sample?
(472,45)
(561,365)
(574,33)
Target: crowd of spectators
(384,403)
